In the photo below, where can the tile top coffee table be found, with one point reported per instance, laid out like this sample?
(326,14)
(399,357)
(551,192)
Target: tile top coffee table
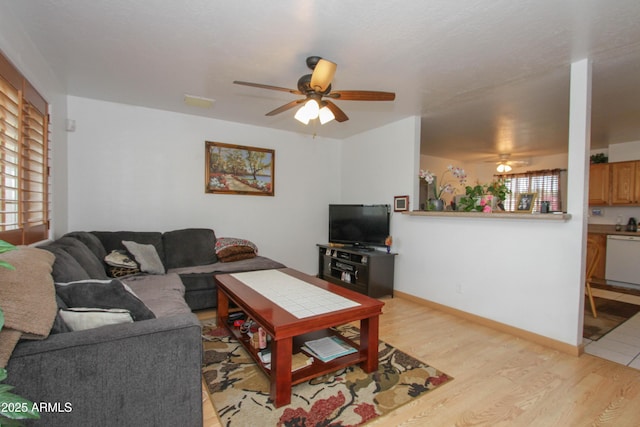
(293,307)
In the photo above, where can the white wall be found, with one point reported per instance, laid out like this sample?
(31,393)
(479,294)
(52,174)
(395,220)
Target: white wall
(19,49)
(136,168)
(523,273)
(625,151)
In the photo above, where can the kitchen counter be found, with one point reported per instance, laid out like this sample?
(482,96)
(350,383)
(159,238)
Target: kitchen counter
(610,229)
(493,215)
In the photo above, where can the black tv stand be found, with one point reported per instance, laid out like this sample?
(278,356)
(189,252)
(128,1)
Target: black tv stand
(360,248)
(361,269)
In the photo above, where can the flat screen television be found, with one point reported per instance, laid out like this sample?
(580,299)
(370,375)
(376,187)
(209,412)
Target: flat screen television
(359,225)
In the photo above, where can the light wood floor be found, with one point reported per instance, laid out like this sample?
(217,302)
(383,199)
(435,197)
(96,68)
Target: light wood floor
(500,380)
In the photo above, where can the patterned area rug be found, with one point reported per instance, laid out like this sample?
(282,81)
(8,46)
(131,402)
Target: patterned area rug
(611,314)
(239,390)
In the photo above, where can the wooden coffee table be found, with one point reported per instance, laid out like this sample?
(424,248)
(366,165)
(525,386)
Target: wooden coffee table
(288,332)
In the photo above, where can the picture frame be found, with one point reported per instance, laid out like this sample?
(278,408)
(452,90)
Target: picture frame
(401,203)
(238,169)
(525,202)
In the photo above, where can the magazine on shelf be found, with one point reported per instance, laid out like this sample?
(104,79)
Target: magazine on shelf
(265,355)
(328,348)
(299,361)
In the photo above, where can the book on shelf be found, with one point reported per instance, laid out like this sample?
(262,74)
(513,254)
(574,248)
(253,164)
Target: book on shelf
(328,348)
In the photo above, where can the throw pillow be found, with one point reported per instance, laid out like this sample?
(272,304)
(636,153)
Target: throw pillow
(238,257)
(232,249)
(146,256)
(79,319)
(117,272)
(119,259)
(103,294)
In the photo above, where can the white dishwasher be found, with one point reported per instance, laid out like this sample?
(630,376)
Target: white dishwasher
(623,261)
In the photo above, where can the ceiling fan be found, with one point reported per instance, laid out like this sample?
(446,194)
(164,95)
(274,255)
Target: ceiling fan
(318,96)
(505,165)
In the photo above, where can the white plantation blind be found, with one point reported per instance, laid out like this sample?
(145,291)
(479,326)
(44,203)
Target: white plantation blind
(24,135)
(545,183)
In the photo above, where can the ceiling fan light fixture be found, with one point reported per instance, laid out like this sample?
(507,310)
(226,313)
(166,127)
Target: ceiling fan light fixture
(503,167)
(302,115)
(313,109)
(322,75)
(325,115)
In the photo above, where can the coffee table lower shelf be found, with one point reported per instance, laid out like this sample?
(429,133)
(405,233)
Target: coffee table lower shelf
(318,367)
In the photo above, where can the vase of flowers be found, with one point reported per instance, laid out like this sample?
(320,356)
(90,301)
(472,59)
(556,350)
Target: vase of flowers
(437,204)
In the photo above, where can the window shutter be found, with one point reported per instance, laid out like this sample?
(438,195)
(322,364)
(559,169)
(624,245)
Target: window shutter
(24,136)
(9,155)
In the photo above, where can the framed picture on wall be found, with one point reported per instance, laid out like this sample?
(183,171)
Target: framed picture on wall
(236,169)
(525,202)
(400,203)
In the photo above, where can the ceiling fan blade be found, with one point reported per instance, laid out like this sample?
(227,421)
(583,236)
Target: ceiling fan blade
(337,112)
(362,95)
(285,107)
(323,75)
(261,86)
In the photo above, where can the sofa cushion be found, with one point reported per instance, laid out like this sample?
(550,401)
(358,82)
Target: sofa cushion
(91,241)
(188,247)
(59,325)
(113,240)
(79,319)
(256,263)
(102,294)
(146,256)
(85,257)
(164,295)
(65,267)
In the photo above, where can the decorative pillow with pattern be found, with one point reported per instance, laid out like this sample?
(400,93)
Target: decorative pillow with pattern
(233,249)
(120,259)
(120,264)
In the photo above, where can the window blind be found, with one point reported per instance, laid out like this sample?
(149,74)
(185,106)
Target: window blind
(24,136)
(545,183)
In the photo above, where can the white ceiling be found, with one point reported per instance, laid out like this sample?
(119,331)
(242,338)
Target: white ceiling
(486,76)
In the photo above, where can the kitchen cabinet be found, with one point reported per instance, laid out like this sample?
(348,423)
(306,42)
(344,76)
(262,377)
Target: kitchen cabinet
(625,183)
(599,188)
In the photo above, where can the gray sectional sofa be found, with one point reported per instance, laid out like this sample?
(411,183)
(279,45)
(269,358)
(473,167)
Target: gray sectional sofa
(144,373)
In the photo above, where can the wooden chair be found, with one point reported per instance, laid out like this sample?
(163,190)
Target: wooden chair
(593,256)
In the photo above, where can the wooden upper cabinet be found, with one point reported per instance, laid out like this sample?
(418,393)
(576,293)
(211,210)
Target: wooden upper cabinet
(624,188)
(599,188)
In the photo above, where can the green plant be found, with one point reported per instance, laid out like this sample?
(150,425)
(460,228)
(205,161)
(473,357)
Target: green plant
(475,197)
(599,158)
(6,247)
(12,406)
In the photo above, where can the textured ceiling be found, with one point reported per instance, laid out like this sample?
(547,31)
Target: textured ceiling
(486,76)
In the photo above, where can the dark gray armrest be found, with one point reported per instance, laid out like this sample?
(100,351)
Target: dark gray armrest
(143,373)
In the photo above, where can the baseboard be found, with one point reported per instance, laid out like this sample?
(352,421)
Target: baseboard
(512,330)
